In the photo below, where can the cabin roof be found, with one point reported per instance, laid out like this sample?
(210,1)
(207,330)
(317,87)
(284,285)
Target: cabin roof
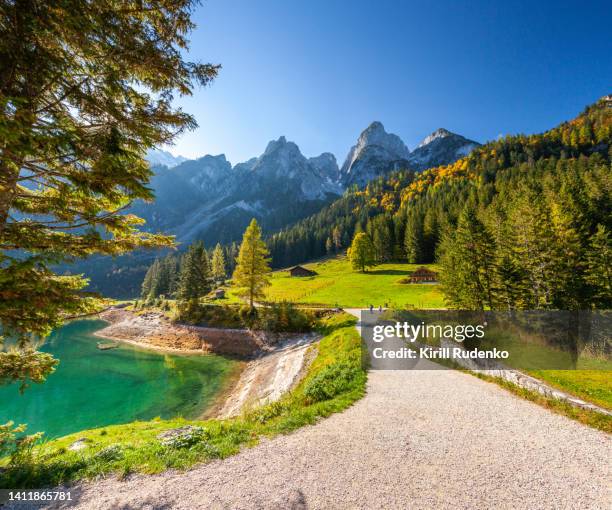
(301,269)
(423,271)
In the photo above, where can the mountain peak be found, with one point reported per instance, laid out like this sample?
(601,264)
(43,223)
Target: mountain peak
(274,145)
(440,148)
(375,126)
(376,152)
(209,157)
(437,134)
(375,134)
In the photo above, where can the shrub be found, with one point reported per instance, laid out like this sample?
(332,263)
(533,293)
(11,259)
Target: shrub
(110,453)
(267,412)
(18,448)
(248,316)
(331,381)
(185,437)
(193,312)
(285,317)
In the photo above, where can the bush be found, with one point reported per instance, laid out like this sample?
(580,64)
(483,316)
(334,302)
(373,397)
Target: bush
(331,381)
(110,453)
(268,412)
(285,318)
(185,437)
(18,448)
(215,316)
(279,318)
(248,316)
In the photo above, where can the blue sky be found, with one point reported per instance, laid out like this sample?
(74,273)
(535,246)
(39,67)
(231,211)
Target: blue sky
(319,72)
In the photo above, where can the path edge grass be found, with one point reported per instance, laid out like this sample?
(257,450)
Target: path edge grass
(587,417)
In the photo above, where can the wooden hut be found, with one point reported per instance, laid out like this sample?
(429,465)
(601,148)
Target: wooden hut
(423,275)
(300,271)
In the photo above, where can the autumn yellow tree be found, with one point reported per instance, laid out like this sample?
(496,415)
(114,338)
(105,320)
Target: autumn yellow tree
(252,273)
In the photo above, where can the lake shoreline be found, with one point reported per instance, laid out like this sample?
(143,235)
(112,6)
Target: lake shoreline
(268,366)
(153,330)
(147,346)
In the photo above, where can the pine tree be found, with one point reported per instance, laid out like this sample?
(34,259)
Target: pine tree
(147,283)
(230,257)
(252,273)
(150,285)
(431,233)
(218,264)
(413,241)
(467,272)
(328,245)
(599,268)
(172,269)
(361,253)
(81,105)
(194,279)
(380,234)
(530,222)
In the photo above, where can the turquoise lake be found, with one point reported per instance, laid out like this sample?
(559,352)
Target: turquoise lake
(93,388)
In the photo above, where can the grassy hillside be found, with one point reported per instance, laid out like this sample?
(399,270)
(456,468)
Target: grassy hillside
(337,284)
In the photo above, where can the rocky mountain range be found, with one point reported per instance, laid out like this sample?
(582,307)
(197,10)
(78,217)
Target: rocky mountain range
(209,199)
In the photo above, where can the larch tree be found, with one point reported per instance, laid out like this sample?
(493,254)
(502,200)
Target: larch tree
(85,89)
(219,271)
(252,273)
(337,239)
(361,253)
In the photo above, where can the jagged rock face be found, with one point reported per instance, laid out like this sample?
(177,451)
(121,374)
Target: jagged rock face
(157,157)
(282,169)
(208,199)
(206,173)
(440,148)
(327,166)
(376,153)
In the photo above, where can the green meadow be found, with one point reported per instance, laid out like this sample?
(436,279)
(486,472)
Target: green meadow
(337,284)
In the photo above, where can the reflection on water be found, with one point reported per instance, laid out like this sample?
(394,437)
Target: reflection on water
(93,388)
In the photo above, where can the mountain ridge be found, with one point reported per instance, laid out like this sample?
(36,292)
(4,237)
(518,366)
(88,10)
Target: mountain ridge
(196,198)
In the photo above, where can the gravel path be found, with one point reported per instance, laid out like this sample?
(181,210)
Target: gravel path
(419,439)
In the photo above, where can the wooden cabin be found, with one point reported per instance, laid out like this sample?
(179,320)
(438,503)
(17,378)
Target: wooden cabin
(300,271)
(219,294)
(423,275)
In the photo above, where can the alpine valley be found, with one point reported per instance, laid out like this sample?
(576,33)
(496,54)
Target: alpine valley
(210,199)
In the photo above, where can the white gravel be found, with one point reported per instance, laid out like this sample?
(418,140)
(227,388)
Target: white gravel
(419,439)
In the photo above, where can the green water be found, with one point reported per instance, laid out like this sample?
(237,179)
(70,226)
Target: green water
(94,388)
